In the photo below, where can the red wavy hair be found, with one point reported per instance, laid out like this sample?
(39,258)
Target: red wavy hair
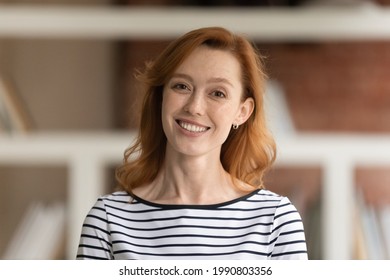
(248,151)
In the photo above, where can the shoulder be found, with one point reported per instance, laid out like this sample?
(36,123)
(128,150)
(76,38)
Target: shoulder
(121,202)
(281,205)
(109,202)
(114,200)
(285,214)
(263,201)
(264,195)
(118,196)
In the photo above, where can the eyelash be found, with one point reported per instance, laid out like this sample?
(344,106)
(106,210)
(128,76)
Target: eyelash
(219,94)
(182,86)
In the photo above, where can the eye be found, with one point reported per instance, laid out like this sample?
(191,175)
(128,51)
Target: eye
(181,87)
(218,94)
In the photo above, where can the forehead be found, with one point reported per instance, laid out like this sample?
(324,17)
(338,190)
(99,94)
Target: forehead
(209,61)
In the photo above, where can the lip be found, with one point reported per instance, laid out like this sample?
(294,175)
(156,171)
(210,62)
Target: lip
(191,133)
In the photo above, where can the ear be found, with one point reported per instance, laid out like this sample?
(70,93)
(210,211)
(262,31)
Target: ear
(245,111)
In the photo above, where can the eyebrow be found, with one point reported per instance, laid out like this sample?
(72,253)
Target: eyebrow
(211,80)
(181,75)
(220,80)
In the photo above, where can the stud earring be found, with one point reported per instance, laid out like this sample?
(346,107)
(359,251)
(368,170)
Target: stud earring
(235,126)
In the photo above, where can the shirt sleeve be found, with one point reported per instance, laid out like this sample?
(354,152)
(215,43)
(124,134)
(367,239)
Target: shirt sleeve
(287,236)
(95,239)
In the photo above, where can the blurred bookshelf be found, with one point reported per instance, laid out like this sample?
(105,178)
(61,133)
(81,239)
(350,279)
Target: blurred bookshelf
(84,158)
(87,155)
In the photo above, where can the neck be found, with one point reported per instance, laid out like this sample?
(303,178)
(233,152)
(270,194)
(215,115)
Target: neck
(192,180)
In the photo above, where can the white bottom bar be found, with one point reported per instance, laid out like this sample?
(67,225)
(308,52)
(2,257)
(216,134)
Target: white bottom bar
(103,270)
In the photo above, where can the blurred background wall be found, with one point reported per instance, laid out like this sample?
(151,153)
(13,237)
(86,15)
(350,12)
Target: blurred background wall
(87,85)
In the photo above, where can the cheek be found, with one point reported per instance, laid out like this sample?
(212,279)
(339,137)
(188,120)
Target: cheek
(167,104)
(171,106)
(165,110)
(171,102)
(164,105)
(226,114)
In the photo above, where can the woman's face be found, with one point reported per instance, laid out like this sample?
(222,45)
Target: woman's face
(202,100)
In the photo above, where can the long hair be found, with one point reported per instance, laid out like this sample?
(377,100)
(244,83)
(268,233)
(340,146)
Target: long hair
(248,151)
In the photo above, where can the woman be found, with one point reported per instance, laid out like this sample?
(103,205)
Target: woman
(191,185)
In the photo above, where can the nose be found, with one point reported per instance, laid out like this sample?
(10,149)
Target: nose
(196,104)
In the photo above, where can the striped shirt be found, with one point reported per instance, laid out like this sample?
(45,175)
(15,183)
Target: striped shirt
(260,225)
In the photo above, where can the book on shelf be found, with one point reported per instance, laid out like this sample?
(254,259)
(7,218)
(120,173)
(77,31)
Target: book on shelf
(4,118)
(2,123)
(40,234)
(14,116)
(384,222)
(313,230)
(372,230)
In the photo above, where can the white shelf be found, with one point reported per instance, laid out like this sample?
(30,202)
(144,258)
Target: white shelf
(366,22)
(88,154)
(338,155)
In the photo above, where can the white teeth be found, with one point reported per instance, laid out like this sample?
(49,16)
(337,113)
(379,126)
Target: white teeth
(192,127)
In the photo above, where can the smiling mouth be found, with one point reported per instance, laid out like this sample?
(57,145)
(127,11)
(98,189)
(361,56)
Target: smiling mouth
(192,127)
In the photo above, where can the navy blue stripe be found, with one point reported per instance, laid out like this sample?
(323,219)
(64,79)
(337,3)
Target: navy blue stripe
(286,223)
(191,244)
(289,253)
(191,218)
(289,242)
(96,238)
(189,235)
(83,256)
(188,226)
(194,254)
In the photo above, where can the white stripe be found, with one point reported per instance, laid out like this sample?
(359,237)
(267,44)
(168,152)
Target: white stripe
(245,228)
